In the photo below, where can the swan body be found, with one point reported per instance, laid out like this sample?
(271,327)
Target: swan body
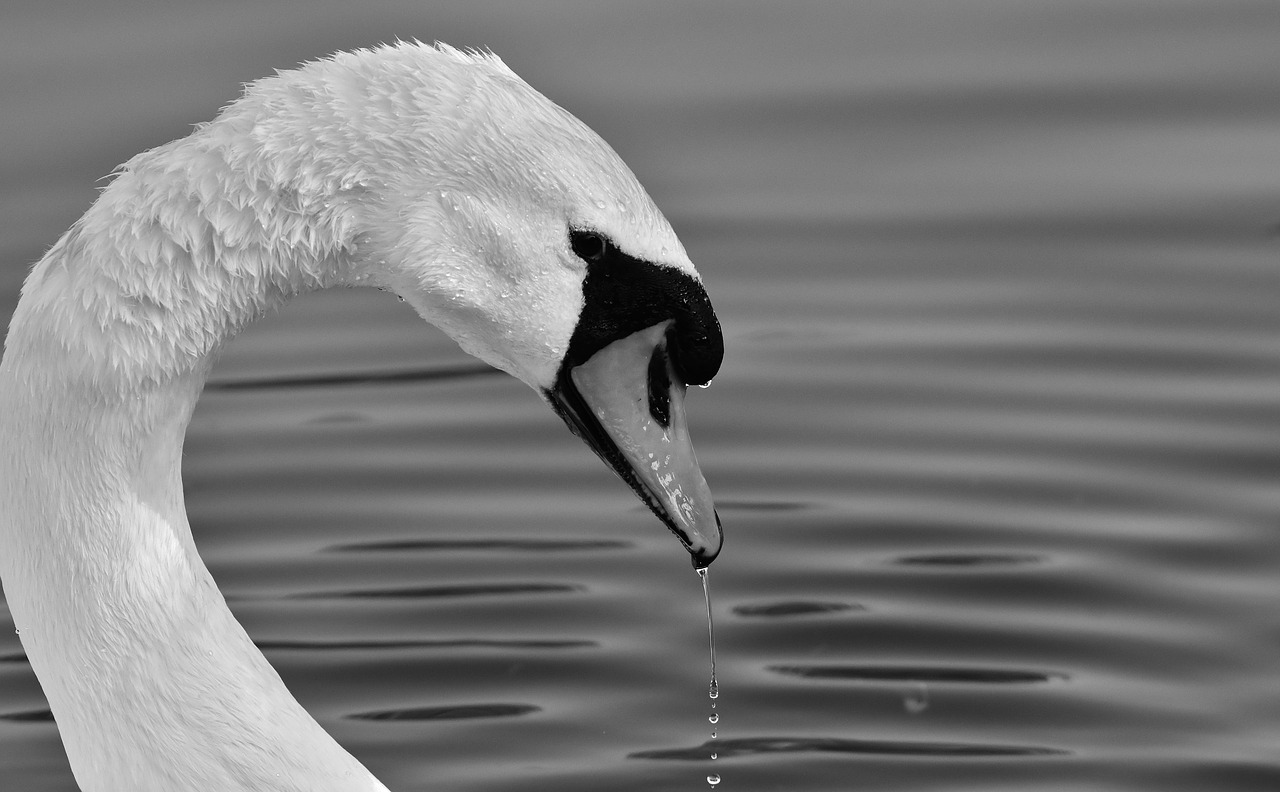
(430,172)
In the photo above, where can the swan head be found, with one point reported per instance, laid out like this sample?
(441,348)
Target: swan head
(512,226)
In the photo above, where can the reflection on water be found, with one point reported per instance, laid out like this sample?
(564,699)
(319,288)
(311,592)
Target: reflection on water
(996,442)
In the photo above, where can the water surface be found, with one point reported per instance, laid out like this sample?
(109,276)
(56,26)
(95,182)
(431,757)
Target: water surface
(996,442)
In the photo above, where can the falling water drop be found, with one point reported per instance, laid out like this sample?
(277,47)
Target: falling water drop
(713,690)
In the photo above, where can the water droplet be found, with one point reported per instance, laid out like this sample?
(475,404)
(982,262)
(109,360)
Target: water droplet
(713,779)
(600,204)
(916,701)
(713,718)
(715,755)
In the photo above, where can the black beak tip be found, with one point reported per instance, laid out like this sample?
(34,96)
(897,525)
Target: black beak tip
(701,558)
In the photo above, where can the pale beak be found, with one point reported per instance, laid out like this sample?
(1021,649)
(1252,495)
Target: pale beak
(627,402)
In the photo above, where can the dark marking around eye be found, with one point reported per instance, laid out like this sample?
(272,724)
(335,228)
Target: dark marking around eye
(623,294)
(659,387)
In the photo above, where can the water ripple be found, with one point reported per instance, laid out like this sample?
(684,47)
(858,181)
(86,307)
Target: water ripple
(762,505)
(753,746)
(936,674)
(435,374)
(460,643)
(785,608)
(29,716)
(428,592)
(482,545)
(969,559)
(454,712)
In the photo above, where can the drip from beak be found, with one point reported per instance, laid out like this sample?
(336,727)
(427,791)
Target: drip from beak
(627,403)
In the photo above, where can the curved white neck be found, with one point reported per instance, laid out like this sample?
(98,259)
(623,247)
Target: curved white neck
(435,173)
(153,683)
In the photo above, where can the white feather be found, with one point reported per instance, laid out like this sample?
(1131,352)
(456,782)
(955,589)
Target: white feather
(433,172)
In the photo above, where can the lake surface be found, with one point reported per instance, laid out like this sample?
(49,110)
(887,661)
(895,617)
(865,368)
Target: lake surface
(996,441)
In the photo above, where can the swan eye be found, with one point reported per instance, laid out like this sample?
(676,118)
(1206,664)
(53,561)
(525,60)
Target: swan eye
(588,246)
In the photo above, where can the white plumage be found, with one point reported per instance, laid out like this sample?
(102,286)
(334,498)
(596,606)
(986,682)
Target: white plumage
(430,172)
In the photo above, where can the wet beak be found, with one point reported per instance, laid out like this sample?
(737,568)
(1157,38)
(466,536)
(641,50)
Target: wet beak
(627,403)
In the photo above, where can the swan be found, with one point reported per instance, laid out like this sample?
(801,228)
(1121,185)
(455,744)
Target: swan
(427,171)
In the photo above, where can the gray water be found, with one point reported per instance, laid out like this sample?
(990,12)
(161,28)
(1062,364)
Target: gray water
(996,441)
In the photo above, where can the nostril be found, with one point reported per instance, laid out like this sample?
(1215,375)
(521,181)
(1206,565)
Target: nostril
(660,387)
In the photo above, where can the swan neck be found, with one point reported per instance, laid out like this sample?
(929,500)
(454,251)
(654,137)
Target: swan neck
(182,250)
(152,681)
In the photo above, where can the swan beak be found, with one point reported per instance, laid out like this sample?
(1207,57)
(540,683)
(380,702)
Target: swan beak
(627,403)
